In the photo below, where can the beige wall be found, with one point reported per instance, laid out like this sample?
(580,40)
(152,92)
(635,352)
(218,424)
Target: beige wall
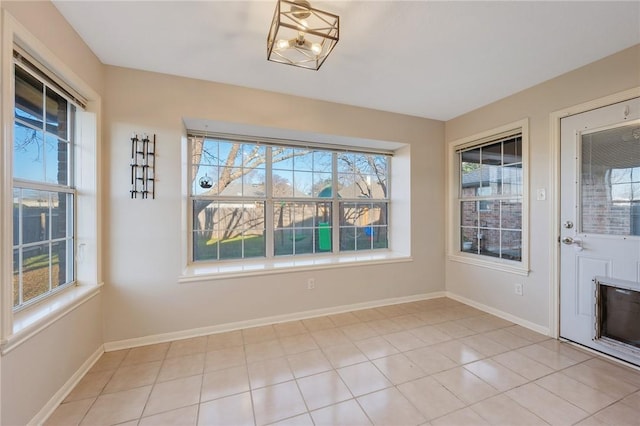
(143,238)
(42,19)
(35,370)
(495,289)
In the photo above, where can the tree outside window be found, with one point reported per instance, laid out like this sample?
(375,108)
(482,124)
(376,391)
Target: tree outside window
(256,200)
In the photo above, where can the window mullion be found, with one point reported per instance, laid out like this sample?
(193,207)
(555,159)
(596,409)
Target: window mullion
(269,219)
(50,236)
(335,205)
(44,129)
(20,249)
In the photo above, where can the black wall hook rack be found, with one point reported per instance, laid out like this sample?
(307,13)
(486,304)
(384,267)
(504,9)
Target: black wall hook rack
(143,164)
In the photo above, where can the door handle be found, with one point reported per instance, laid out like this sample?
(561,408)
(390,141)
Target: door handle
(576,242)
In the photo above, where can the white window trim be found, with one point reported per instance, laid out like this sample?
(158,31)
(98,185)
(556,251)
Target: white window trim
(16,328)
(453,206)
(399,210)
(69,188)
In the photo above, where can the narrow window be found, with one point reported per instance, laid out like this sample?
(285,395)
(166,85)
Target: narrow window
(364,201)
(228,199)
(301,184)
(43,188)
(490,198)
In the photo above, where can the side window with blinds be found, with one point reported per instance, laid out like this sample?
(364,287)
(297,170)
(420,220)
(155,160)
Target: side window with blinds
(44,194)
(490,198)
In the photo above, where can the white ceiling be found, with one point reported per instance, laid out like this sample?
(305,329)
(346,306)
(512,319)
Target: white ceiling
(423,58)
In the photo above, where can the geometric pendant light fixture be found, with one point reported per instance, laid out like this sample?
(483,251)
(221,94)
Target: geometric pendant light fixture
(301,35)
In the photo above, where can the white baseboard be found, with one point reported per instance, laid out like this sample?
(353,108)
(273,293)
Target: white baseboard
(504,315)
(601,354)
(203,331)
(62,393)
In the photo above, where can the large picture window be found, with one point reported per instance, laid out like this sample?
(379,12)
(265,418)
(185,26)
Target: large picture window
(43,188)
(257,200)
(490,198)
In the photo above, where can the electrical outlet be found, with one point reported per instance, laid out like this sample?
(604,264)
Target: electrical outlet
(311,283)
(517,288)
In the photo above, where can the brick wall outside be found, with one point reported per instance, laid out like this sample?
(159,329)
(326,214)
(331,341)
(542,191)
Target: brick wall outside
(486,230)
(600,215)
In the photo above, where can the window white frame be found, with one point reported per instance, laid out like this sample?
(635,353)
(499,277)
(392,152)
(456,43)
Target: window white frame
(270,199)
(400,238)
(16,328)
(51,188)
(453,205)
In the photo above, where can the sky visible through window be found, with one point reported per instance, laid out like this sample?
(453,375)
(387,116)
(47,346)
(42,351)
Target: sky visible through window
(296,172)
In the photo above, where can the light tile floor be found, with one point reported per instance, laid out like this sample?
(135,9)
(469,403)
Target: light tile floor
(433,362)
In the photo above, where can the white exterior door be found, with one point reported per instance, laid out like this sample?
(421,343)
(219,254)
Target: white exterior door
(600,215)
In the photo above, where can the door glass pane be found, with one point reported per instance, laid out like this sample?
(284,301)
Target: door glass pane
(610,181)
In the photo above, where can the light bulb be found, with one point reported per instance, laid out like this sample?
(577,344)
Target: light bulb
(282,44)
(316,48)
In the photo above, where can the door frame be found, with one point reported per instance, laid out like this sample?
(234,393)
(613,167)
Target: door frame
(554,229)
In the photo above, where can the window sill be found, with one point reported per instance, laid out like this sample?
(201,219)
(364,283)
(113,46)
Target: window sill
(198,272)
(518,268)
(32,320)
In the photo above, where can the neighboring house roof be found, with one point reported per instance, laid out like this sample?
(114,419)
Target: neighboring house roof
(348,191)
(488,174)
(237,189)
(474,177)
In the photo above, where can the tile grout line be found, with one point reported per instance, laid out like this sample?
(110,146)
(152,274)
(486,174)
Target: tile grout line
(404,328)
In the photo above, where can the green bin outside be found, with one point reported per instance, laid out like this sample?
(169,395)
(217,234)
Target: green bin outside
(324,236)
